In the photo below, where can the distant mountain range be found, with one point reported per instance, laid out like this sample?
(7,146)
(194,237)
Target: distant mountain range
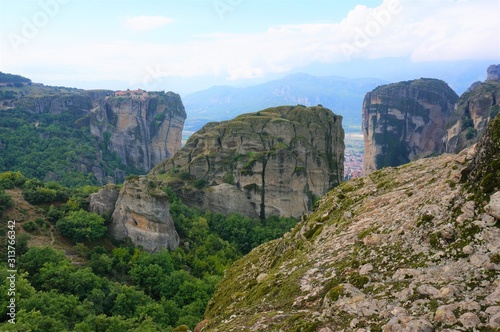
(342,95)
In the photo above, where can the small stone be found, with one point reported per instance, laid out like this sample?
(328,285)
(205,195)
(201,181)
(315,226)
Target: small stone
(480,223)
(490,266)
(399,324)
(445,315)
(493,310)
(448,232)
(461,159)
(353,323)
(420,325)
(487,219)
(261,277)
(404,294)
(365,269)
(469,306)
(469,320)
(372,239)
(399,311)
(427,290)
(446,292)
(325,329)
(493,208)
(494,298)
(495,321)
(468,250)
(478,259)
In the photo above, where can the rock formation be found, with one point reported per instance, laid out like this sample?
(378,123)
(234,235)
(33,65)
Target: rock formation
(77,104)
(140,212)
(272,162)
(142,128)
(103,202)
(405,121)
(473,111)
(493,73)
(403,249)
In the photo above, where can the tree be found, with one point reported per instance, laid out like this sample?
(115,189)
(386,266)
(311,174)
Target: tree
(34,259)
(81,226)
(5,201)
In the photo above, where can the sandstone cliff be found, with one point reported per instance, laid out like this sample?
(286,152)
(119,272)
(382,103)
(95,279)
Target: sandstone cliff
(403,249)
(473,111)
(404,121)
(119,131)
(77,104)
(273,162)
(143,129)
(140,212)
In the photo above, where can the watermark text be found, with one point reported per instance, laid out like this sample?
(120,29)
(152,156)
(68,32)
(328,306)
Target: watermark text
(11,264)
(222,7)
(32,25)
(379,19)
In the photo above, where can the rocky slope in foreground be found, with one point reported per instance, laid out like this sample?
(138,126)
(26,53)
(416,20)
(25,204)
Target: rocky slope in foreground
(404,249)
(272,162)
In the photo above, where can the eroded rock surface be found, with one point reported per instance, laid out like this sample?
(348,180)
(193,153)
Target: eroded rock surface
(472,113)
(272,162)
(103,202)
(142,128)
(405,121)
(142,214)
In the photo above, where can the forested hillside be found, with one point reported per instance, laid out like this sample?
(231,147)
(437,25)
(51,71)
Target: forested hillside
(72,277)
(48,146)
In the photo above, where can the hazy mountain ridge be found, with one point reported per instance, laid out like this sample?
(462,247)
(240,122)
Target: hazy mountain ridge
(343,96)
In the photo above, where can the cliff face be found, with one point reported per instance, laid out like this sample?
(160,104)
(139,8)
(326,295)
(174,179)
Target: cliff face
(140,212)
(473,112)
(405,121)
(56,104)
(273,162)
(493,73)
(142,128)
(403,249)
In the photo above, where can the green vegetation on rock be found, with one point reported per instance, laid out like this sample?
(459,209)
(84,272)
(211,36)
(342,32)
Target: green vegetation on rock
(100,284)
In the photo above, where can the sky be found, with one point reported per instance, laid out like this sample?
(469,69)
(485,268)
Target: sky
(187,45)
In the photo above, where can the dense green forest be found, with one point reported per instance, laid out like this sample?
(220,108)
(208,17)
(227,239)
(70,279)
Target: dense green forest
(114,286)
(53,147)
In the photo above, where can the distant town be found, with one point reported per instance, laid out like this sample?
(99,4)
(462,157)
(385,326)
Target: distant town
(353,155)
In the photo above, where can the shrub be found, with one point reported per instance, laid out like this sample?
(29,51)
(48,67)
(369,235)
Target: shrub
(30,226)
(228,178)
(185,176)
(471,133)
(198,184)
(5,202)
(81,226)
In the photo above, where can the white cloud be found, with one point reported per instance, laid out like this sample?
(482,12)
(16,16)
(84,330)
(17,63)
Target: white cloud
(424,31)
(145,23)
